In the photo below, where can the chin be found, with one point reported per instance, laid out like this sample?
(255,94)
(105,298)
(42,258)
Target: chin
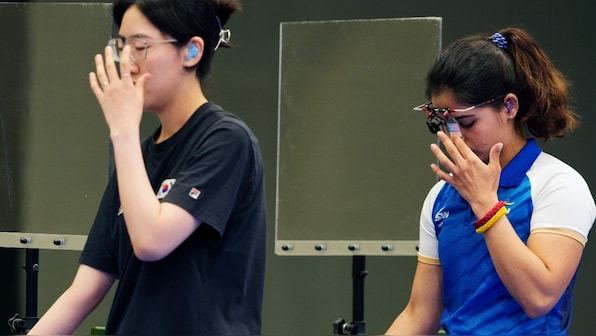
(482,156)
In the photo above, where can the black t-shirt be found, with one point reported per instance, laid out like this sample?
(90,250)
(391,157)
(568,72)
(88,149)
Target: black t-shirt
(212,284)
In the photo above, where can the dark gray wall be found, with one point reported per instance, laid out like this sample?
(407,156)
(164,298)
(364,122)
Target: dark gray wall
(304,295)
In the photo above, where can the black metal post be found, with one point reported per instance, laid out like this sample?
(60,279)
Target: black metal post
(359,272)
(357,326)
(32,274)
(21,325)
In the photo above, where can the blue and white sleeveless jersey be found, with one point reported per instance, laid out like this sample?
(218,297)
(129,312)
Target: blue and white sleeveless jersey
(546,195)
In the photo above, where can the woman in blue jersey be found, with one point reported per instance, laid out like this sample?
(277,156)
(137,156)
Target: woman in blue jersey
(503,231)
(181,224)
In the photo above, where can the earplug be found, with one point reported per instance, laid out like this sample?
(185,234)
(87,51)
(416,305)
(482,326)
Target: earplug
(509,105)
(193,50)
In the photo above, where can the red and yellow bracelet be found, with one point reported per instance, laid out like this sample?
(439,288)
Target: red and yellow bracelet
(491,217)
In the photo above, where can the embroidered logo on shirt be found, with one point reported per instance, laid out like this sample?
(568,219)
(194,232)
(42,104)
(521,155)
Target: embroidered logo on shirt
(165,188)
(194,193)
(440,216)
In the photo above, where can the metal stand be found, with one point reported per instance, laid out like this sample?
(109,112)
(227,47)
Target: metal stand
(357,326)
(32,243)
(21,325)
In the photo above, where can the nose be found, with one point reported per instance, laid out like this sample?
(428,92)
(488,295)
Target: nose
(134,68)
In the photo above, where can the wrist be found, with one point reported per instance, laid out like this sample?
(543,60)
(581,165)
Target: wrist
(123,137)
(481,207)
(491,217)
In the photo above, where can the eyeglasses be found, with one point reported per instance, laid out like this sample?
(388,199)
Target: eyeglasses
(438,119)
(138,47)
(427,107)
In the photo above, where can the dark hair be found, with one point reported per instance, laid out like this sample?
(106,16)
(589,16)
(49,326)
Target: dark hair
(475,69)
(183,19)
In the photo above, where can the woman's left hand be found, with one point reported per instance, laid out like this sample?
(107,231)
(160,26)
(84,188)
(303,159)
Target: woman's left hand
(121,98)
(476,181)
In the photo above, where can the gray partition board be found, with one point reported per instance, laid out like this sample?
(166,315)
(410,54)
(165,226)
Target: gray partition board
(353,157)
(54,154)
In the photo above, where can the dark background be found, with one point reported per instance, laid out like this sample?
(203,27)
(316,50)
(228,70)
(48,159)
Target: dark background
(304,295)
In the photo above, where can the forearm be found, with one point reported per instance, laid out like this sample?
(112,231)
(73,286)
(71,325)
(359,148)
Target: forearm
(140,205)
(155,228)
(422,315)
(407,323)
(87,290)
(63,317)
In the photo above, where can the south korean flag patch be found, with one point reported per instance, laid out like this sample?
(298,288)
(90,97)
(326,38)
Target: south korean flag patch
(165,188)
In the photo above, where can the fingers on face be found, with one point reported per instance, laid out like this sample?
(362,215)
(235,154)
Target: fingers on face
(455,146)
(107,70)
(450,147)
(125,63)
(441,157)
(100,69)
(110,65)
(99,80)
(465,151)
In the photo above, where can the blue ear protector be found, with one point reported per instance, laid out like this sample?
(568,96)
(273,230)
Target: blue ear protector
(193,50)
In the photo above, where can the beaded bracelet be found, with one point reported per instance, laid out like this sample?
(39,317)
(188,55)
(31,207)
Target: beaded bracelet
(489,214)
(502,211)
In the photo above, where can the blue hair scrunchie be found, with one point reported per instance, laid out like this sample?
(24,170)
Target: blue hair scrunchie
(499,40)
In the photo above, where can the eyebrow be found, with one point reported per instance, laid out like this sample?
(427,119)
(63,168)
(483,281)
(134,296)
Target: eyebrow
(138,35)
(463,117)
